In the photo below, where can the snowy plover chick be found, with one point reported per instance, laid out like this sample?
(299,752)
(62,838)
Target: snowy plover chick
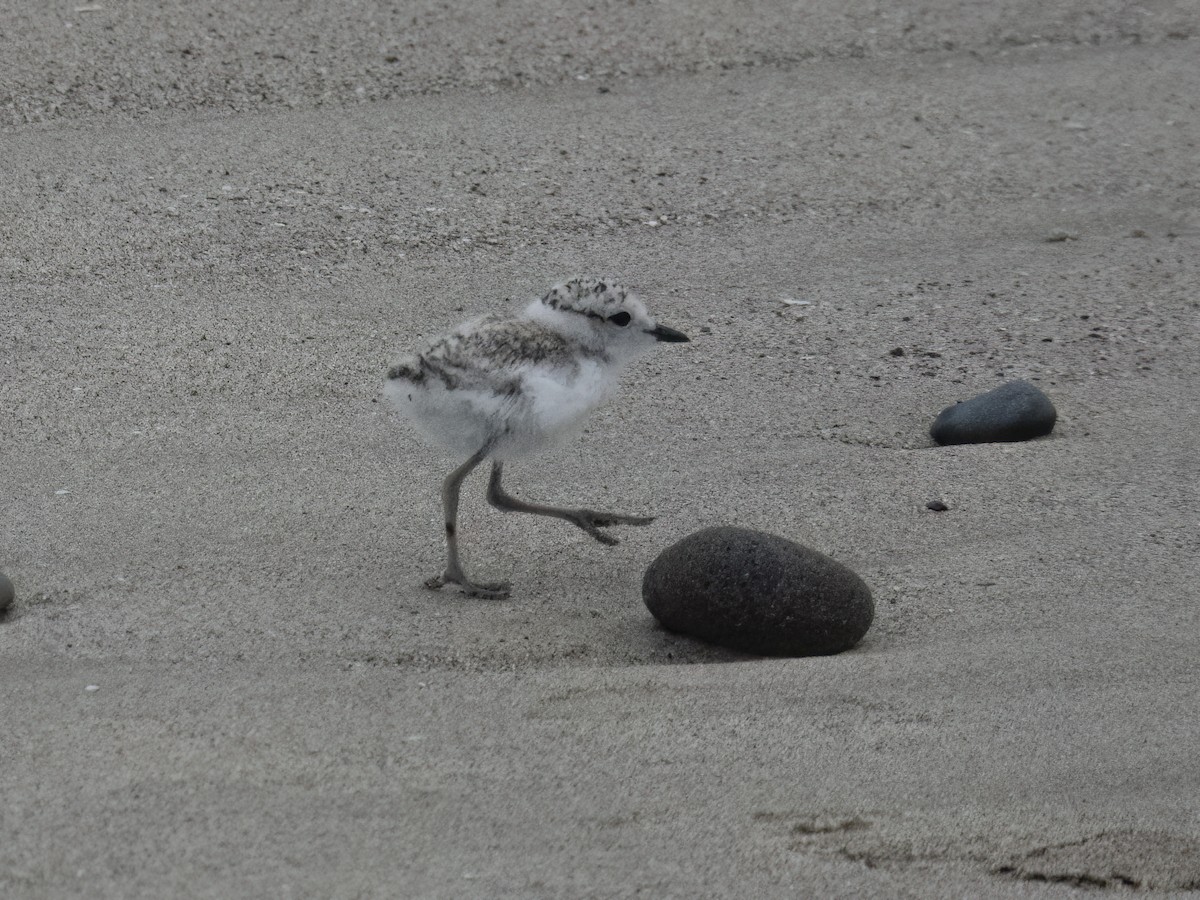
(504,388)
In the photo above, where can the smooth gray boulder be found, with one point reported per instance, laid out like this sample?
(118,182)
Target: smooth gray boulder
(1015,411)
(757,593)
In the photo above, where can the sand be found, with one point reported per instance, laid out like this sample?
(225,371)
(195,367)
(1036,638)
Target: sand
(222,677)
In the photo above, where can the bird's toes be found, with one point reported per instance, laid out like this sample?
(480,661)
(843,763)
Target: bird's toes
(606,520)
(636,520)
(488,590)
(592,527)
(492,590)
(602,537)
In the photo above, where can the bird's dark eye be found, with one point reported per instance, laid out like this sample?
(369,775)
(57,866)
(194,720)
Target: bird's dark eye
(621,318)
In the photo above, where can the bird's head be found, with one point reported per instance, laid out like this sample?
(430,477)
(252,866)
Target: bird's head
(606,313)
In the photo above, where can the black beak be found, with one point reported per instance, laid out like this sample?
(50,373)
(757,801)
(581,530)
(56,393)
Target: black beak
(670,335)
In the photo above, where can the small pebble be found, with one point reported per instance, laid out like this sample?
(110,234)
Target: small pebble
(757,593)
(1015,411)
(7,593)
(936,506)
(1056,237)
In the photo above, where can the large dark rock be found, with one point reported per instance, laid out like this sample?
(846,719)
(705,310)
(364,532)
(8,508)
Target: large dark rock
(1015,411)
(758,593)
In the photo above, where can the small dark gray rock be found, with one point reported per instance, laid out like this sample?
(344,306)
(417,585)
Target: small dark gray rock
(937,505)
(758,593)
(1015,411)
(7,593)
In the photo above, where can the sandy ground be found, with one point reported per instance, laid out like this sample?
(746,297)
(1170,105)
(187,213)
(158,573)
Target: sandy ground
(222,677)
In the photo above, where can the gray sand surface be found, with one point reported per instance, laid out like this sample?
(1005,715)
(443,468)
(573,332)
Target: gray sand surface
(222,677)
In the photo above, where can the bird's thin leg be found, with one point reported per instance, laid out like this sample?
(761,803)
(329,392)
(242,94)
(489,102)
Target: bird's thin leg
(587,519)
(454,573)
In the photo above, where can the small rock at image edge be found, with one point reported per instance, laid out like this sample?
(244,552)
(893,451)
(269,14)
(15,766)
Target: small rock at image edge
(7,593)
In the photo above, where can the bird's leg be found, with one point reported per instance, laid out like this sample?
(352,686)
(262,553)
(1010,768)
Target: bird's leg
(587,519)
(454,573)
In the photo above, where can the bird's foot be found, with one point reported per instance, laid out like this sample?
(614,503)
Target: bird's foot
(591,522)
(487,590)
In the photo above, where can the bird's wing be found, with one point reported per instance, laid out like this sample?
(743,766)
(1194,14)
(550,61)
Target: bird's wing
(493,354)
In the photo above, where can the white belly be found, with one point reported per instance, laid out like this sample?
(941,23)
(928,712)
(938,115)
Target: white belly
(550,405)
